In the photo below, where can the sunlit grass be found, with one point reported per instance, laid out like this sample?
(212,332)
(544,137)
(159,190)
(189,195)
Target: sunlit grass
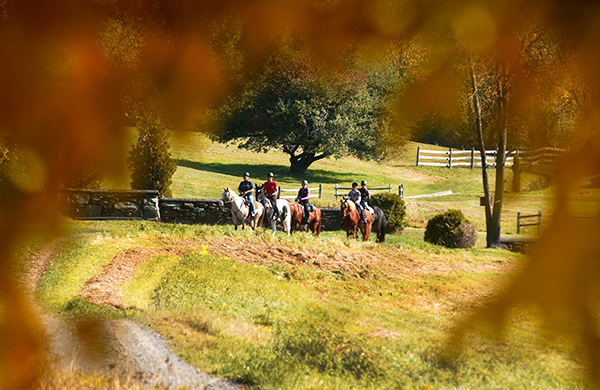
(284,326)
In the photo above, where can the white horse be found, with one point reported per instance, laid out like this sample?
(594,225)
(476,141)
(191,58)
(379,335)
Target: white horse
(284,211)
(239,210)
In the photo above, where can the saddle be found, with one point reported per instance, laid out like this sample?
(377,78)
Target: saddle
(311,208)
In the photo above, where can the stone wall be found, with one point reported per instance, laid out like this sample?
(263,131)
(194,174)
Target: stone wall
(193,211)
(110,204)
(131,204)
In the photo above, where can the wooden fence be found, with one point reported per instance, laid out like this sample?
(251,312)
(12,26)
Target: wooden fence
(537,223)
(472,158)
(280,190)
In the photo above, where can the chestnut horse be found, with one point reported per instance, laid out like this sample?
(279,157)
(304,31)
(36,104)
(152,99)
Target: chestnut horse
(352,219)
(314,220)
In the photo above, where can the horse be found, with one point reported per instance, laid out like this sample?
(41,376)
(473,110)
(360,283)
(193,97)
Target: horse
(352,219)
(239,210)
(284,210)
(379,225)
(314,219)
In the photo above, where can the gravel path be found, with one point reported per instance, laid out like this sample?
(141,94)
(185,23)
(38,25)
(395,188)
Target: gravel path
(113,347)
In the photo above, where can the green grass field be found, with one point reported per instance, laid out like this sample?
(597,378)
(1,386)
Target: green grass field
(301,312)
(377,320)
(206,167)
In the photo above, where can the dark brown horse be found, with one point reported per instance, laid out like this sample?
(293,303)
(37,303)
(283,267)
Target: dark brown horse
(314,220)
(352,220)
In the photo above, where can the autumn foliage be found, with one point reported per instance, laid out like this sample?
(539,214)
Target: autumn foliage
(61,91)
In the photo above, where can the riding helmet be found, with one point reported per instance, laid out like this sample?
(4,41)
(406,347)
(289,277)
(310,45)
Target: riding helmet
(270,174)
(304,181)
(246,174)
(363,183)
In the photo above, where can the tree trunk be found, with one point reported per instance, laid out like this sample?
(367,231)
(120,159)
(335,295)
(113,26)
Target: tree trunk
(516,168)
(300,163)
(476,107)
(493,235)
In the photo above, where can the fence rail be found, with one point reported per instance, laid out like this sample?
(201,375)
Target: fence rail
(472,158)
(537,223)
(280,190)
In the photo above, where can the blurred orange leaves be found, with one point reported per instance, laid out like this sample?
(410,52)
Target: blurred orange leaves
(61,97)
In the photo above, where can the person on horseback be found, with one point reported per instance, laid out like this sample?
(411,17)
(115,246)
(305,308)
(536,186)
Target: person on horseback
(365,195)
(270,188)
(354,195)
(246,189)
(302,198)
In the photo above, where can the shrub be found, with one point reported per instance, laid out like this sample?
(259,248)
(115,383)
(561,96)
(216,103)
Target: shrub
(537,185)
(451,229)
(150,163)
(393,207)
(464,235)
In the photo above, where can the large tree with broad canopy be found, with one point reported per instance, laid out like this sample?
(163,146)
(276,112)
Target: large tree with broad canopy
(312,112)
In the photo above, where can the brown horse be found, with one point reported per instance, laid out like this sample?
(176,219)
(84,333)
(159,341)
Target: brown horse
(352,220)
(314,220)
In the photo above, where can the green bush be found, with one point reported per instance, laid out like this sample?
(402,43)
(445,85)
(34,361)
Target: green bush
(393,207)
(450,229)
(150,164)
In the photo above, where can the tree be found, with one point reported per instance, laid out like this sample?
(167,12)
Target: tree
(312,113)
(150,163)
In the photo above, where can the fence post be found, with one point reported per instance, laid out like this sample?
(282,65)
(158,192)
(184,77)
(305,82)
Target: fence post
(320,190)
(539,220)
(472,157)
(449,157)
(418,151)
(390,188)
(401,191)
(336,195)
(278,192)
(518,222)
(543,156)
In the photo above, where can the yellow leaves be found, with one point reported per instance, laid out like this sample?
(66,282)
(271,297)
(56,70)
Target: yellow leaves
(476,27)
(204,250)
(29,172)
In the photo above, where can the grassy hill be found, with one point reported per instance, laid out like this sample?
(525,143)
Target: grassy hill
(206,167)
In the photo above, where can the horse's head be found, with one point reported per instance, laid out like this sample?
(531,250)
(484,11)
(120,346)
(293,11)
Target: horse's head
(347,206)
(226,197)
(260,193)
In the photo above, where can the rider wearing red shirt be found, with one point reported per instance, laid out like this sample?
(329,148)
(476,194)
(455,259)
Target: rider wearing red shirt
(270,188)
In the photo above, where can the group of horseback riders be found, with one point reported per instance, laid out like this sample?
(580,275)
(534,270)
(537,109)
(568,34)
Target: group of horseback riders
(360,196)
(246,189)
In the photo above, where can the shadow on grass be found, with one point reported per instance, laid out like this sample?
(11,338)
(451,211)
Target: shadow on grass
(282,173)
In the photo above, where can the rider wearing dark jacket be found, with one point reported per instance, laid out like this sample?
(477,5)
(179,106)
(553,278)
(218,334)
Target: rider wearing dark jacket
(365,195)
(246,189)
(302,198)
(355,196)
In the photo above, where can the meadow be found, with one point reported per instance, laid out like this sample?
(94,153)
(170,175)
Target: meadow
(313,313)
(301,312)
(206,167)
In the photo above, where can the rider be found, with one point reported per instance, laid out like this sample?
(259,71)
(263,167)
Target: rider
(354,196)
(365,195)
(246,189)
(270,188)
(302,198)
